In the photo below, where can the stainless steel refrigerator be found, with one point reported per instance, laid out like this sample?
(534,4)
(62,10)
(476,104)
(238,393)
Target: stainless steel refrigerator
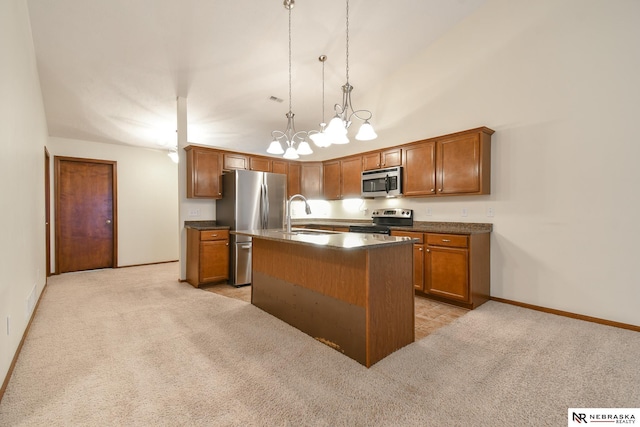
(251,201)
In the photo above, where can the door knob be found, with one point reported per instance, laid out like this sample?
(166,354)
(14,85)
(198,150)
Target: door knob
(108,221)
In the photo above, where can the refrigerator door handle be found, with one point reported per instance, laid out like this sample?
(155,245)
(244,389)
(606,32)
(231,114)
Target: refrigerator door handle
(264,206)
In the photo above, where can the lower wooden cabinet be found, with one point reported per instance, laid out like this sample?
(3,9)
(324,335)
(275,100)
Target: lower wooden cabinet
(453,268)
(207,256)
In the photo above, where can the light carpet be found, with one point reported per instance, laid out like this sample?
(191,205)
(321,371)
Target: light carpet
(133,346)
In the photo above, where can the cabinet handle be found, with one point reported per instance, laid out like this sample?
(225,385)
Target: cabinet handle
(214,235)
(428,250)
(432,190)
(446,240)
(440,189)
(420,249)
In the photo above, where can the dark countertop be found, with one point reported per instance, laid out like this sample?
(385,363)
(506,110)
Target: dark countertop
(204,225)
(418,226)
(332,240)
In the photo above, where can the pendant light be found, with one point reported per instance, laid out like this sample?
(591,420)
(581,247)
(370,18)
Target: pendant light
(290,136)
(338,126)
(320,137)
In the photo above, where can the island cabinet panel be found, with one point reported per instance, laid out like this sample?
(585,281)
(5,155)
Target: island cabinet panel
(204,168)
(350,300)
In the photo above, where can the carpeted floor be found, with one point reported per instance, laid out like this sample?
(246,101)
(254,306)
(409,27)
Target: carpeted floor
(133,346)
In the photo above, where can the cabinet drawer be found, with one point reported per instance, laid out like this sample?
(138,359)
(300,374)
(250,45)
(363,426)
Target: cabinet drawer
(412,234)
(214,235)
(453,240)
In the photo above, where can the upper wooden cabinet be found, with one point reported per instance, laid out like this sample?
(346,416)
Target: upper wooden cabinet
(452,165)
(279,166)
(262,164)
(342,178)
(418,172)
(204,168)
(382,159)
(234,161)
(311,180)
(293,179)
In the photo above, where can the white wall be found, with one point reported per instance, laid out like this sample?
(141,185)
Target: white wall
(558,82)
(23,136)
(147,198)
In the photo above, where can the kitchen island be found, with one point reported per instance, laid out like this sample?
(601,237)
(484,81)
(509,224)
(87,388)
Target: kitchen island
(350,291)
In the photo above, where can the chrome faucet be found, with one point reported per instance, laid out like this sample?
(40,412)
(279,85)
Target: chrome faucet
(307,209)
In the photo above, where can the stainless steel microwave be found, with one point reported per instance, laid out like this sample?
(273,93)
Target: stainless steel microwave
(382,182)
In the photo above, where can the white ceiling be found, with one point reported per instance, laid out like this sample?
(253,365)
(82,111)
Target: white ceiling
(110,70)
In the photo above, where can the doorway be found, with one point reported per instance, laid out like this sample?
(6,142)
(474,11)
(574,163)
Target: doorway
(47,212)
(85,213)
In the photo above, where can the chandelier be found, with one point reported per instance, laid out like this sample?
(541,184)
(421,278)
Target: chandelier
(320,137)
(338,126)
(290,137)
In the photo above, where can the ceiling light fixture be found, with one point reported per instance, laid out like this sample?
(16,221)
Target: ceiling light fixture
(320,137)
(337,129)
(290,136)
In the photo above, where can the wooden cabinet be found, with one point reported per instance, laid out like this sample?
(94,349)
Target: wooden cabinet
(207,256)
(204,169)
(342,178)
(279,166)
(293,179)
(234,161)
(311,180)
(455,164)
(261,164)
(418,257)
(331,179)
(457,268)
(382,159)
(418,172)
(463,164)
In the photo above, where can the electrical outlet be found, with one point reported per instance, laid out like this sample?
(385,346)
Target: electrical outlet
(464,212)
(428,212)
(490,212)
(194,212)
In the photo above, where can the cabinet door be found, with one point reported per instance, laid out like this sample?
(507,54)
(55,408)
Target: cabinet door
(279,166)
(293,179)
(458,161)
(331,180)
(260,164)
(351,177)
(203,173)
(447,272)
(235,161)
(371,161)
(419,173)
(391,157)
(311,180)
(418,266)
(214,260)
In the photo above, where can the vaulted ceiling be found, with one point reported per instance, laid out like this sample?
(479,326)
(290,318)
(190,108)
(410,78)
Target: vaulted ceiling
(110,70)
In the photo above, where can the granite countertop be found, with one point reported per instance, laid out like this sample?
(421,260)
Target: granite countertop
(205,225)
(418,226)
(329,239)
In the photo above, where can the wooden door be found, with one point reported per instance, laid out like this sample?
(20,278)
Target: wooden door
(392,157)
(447,272)
(47,212)
(371,161)
(458,165)
(351,177)
(85,202)
(419,171)
(293,179)
(311,180)
(331,180)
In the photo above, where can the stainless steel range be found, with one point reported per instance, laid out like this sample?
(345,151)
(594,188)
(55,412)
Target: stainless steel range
(383,219)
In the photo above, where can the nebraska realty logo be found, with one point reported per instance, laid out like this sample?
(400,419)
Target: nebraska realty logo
(581,416)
